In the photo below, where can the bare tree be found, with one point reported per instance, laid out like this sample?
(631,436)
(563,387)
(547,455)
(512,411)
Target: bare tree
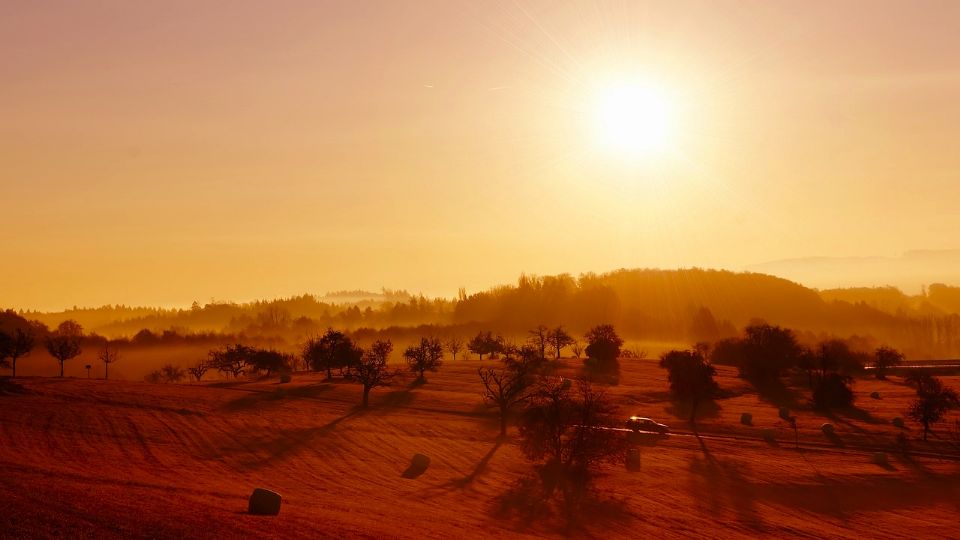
(199,369)
(372,370)
(576,348)
(454,345)
(108,356)
(559,339)
(64,342)
(427,356)
(539,339)
(504,388)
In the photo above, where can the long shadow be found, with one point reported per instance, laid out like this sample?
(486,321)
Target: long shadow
(396,399)
(286,442)
(280,394)
(705,410)
(480,467)
(525,504)
(777,393)
(725,477)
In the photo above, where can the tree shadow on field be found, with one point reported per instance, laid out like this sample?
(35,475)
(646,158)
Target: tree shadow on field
(525,504)
(705,410)
(777,393)
(280,394)
(265,447)
(721,483)
(389,401)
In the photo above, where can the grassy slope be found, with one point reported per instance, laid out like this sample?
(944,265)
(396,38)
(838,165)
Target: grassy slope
(119,459)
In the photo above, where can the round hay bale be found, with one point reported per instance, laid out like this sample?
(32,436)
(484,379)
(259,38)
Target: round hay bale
(285,378)
(897,422)
(880,458)
(264,502)
(875,395)
(633,459)
(746,419)
(768,434)
(827,429)
(784,413)
(418,466)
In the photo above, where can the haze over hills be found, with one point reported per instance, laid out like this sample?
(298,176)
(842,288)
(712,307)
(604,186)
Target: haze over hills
(909,272)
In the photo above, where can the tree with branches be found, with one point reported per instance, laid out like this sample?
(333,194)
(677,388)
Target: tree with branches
(506,388)
(427,356)
(885,358)
(64,342)
(932,404)
(199,369)
(109,355)
(539,338)
(372,370)
(454,345)
(558,339)
(16,345)
(690,376)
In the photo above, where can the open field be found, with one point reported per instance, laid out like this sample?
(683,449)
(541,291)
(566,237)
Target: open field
(114,459)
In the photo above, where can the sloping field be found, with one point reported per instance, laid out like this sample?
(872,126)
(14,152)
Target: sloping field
(112,459)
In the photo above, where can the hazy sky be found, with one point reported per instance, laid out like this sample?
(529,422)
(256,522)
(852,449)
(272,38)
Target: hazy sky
(161,152)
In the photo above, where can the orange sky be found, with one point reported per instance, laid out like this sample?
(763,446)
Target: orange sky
(157,154)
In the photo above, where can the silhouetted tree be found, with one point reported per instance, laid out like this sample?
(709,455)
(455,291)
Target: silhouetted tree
(64,342)
(233,359)
(199,369)
(427,356)
(333,350)
(833,390)
(884,359)
(108,356)
(169,373)
(268,360)
(766,352)
(807,362)
(603,349)
(454,345)
(690,376)
(703,326)
(485,343)
(558,339)
(576,348)
(932,404)
(560,427)
(15,345)
(504,388)
(919,379)
(539,339)
(372,369)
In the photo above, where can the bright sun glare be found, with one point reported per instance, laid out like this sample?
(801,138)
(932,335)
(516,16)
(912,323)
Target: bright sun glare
(634,120)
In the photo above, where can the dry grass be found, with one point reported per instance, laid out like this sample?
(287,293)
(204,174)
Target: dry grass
(110,459)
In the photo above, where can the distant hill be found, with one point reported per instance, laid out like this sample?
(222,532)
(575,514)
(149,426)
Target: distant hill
(908,272)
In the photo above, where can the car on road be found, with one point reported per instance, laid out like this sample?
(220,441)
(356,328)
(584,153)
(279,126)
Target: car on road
(640,423)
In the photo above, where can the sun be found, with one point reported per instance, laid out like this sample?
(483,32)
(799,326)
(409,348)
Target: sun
(633,119)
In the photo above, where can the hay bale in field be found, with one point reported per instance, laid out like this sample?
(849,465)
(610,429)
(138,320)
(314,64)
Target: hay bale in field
(746,419)
(875,395)
(897,422)
(880,458)
(264,502)
(768,434)
(827,429)
(784,413)
(418,466)
(285,378)
(633,459)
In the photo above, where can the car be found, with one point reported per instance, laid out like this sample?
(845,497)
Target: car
(640,423)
